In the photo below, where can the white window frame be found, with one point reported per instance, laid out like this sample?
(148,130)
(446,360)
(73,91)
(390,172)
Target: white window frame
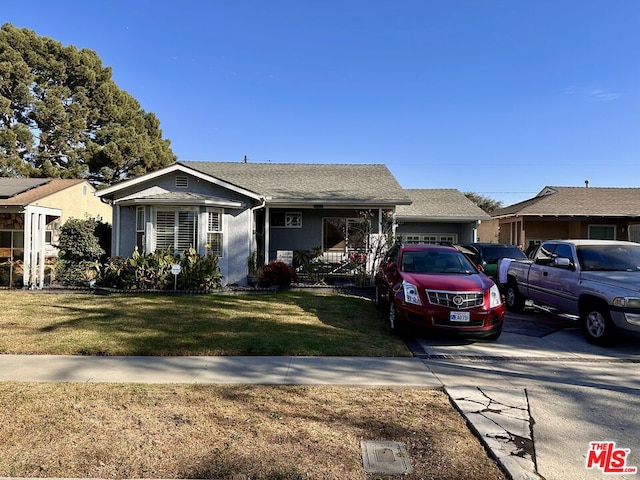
(429,239)
(140,228)
(291,220)
(175,246)
(213,231)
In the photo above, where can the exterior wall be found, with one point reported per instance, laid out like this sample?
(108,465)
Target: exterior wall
(77,201)
(535,231)
(304,238)
(488,231)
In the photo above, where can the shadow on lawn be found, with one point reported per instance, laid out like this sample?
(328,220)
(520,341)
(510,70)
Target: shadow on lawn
(289,323)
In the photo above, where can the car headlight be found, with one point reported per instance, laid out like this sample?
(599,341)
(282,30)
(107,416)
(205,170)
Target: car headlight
(495,299)
(628,302)
(411,293)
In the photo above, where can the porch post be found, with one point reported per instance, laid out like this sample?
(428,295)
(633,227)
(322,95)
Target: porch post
(28,248)
(267,231)
(115,232)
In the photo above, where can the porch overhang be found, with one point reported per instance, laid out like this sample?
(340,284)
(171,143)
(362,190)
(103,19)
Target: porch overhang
(182,203)
(178,199)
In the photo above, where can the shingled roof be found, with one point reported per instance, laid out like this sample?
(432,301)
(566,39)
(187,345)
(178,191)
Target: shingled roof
(25,191)
(288,182)
(439,203)
(578,202)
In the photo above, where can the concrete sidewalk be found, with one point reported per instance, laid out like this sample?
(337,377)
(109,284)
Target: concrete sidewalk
(353,371)
(348,371)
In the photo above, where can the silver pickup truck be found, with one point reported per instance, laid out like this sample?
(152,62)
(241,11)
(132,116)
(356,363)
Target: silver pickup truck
(596,280)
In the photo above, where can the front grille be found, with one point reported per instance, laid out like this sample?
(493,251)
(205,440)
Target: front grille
(457,300)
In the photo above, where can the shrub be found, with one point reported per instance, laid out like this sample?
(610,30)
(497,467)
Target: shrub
(198,272)
(80,251)
(278,273)
(152,271)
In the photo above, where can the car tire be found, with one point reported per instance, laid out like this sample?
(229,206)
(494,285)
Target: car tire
(597,326)
(494,335)
(394,326)
(512,298)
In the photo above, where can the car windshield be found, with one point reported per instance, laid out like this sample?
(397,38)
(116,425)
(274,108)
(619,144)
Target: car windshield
(623,258)
(493,254)
(436,262)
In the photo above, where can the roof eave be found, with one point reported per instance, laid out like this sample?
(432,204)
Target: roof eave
(334,203)
(421,218)
(181,203)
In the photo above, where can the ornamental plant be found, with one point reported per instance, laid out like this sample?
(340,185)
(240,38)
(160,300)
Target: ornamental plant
(278,273)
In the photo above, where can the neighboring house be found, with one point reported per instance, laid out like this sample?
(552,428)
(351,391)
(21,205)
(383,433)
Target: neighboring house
(572,213)
(31,213)
(234,209)
(440,215)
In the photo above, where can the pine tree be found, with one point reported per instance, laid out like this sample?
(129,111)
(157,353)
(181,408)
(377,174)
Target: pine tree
(62,115)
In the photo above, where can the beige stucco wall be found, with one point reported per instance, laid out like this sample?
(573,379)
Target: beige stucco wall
(78,201)
(488,231)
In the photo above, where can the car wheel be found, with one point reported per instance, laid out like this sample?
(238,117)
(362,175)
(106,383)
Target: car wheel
(394,326)
(597,326)
(495,335)
(512,298)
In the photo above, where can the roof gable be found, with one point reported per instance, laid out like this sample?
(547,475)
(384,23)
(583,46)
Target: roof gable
(578,201)
(27,191)
(444,203)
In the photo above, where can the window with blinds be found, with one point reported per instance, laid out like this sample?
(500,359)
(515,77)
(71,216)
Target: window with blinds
(214,232)
(140,229)
(176,230)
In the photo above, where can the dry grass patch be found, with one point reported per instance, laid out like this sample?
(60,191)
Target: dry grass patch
(284,432)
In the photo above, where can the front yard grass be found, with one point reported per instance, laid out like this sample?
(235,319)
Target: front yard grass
(216,431)
(229,432)
(288,323)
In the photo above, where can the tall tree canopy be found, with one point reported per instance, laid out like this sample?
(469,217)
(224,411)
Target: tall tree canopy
(485,203)
(61,115)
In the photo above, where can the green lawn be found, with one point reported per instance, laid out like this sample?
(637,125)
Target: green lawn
(288,323)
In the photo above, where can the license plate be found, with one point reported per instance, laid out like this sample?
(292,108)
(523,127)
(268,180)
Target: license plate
(460,316)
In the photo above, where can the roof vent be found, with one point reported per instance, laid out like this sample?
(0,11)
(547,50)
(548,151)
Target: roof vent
(586,183)
(182,181)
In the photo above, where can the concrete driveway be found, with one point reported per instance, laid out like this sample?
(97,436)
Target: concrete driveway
(575,393)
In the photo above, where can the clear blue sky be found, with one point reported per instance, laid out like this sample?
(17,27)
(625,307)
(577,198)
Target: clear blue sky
(499,97)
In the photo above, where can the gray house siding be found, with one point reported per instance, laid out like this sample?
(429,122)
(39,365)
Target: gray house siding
(310,234)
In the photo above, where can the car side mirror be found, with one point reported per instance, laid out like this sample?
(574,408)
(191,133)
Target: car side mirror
(563,262)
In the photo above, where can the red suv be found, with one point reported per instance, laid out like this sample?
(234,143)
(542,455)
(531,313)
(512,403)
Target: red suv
(437,287)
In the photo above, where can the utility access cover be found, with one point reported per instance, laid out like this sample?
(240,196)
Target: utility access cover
(385,457)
